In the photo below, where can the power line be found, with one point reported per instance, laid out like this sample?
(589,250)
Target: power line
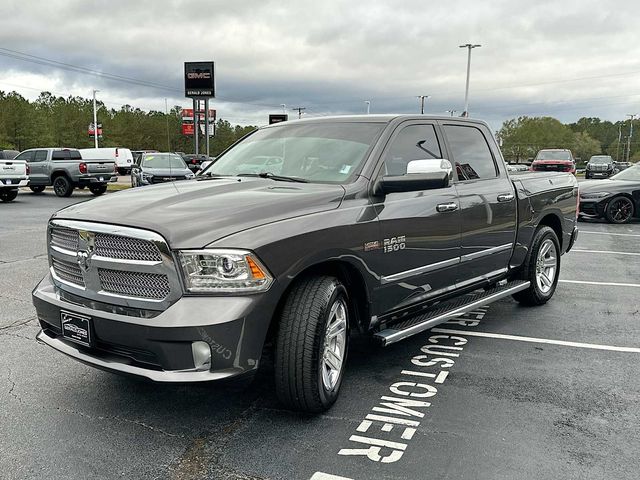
(299,110)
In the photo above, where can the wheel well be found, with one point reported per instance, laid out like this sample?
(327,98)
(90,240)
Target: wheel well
(352,280)
(553,221)
(59,173)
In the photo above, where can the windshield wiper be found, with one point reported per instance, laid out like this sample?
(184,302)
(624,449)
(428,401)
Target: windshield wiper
(273,176)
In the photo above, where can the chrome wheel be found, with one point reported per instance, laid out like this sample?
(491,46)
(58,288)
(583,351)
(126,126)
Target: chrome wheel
(335,340)
(546,265)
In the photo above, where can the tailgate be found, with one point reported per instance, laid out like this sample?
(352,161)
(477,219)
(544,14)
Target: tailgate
(11,169)
(103,167)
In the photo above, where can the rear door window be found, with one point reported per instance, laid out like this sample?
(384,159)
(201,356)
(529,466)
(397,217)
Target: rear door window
(40,156)
(472,156)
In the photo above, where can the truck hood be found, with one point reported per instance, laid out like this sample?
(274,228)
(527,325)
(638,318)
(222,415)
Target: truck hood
(193,214)
(166,172)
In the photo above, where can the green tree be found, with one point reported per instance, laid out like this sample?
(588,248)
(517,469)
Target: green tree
(522,137)
(584,146)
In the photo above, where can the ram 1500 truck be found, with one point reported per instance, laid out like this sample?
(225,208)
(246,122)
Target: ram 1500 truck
(13,175)
(65,169)
(386,225)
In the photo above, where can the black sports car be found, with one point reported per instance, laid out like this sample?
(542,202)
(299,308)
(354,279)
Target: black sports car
(617,198)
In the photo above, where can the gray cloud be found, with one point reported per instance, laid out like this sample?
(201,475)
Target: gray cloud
(331,56)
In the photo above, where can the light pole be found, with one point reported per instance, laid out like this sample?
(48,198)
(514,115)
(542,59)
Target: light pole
(469,47)
(422,98)
(452,112)
(95,120)
(284,108)
(166,116)
(368,104)
(631,117)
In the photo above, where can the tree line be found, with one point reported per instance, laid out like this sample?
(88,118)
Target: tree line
(522,137)
(52,121)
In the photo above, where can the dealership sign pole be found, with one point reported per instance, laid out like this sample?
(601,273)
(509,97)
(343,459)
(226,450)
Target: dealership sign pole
(199,82)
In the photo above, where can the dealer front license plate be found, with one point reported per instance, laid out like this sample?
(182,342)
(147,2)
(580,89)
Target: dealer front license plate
(76,327)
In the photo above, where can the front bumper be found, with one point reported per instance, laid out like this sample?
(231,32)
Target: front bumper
(14,182)
(591,207)
(598,174)
(158,346)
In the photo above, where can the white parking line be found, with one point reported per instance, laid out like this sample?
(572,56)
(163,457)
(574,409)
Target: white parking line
(582,232)
(607,284)
(327,476)
(605,252)
(518,338)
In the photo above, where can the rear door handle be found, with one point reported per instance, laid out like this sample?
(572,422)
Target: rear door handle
(447,207)
(506,197)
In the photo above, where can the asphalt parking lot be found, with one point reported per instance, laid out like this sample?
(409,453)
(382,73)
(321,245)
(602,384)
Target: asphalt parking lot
(535,393)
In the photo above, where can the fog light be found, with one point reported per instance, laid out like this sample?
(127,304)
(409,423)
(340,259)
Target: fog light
(201,355)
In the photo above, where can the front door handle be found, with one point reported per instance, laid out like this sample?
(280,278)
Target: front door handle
(505,197)
(447,207)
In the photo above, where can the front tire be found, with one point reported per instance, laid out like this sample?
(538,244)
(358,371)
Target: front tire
(62,186)
(619,210)
(8,195)
(541,268)
(312,344)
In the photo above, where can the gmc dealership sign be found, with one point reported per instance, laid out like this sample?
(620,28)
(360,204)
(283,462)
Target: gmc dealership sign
(199,80)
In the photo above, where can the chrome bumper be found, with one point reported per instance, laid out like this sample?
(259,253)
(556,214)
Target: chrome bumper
(170,376)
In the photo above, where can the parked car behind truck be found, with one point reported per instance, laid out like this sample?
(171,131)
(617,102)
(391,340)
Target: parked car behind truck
(387,225)
(554,160)
(65,169)
(600,166)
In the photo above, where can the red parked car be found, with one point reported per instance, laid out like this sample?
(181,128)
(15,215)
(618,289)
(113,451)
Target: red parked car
(554,160)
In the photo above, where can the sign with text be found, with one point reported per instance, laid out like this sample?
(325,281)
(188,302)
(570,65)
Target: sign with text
(278,117)
(199,80)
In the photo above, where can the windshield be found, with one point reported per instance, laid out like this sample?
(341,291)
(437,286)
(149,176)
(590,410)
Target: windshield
(163,160)
(317,152)
(631,173)
(601,159)
(553,155)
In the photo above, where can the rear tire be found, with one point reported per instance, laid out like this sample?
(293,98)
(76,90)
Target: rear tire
(122,171)
(97,190)
(62,186)
(619,210)
(37,188)
(8,195)
(312,344)
(541,268)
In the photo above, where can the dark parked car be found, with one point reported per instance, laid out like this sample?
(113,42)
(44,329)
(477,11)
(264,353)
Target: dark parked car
(194,162)
(622,165)
(387,225)
(600,166)
(159,168)
(617,198)
(554,160)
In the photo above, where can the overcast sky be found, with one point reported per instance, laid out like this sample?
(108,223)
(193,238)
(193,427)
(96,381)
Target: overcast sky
(566,59)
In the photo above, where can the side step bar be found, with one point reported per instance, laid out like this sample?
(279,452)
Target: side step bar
(446,311)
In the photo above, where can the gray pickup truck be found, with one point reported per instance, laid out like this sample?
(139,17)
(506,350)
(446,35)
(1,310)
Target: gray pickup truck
(65,169)
(386,225)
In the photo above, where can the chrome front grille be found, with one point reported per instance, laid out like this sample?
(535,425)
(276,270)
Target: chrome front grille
(67,271)
(134,284)
(126,248)
(64,238)
(116,265)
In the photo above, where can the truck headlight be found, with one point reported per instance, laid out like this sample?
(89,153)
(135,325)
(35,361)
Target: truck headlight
(147,177)
(223,270)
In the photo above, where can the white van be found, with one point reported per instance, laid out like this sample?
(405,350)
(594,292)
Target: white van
(122,156)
